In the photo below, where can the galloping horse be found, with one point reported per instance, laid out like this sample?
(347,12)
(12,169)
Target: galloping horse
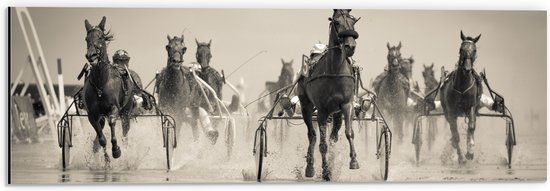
(178,90)
(330,88)
(174,82)
(104,96)
(461,93)
(393,90)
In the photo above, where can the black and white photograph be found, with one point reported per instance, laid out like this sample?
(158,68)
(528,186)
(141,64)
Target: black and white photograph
(149,95)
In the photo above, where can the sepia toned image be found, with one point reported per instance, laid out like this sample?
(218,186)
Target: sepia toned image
(189,95)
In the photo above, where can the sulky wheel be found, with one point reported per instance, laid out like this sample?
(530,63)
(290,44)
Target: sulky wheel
(66,147)
(259,152)
(169,137)
(417,139)
(384,153)
(509,142)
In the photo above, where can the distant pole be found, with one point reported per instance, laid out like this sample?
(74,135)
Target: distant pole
(24,89)
(60,86)
(49,83)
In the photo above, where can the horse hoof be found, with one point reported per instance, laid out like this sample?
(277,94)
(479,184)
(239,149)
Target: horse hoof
(102,141)
(327,175)
(461,160)
(310,171)
(213,136)
(116,152)
(470,156)
(334,138)
(354,164)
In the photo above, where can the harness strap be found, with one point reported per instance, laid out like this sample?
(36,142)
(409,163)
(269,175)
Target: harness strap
(331,76)
(472,83)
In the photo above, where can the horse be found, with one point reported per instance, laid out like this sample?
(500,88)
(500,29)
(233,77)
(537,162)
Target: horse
(330,89)
(207,73)
(104,96)
(429,79)
(394,89)
(406,70)
(285,78)
(174,82)
(430,83)
(178,90)
(460,95)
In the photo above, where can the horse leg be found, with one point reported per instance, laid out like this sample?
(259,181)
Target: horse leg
(206,125)
(470,136)
(307,111)
(98,122)
(347,110)
(323,147)
(194,123)
(125,125)
(112,123)
(455,138)
(398,123)
(336,124)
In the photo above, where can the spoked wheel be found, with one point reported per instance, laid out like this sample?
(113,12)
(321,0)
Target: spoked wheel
(509,142)
(259,152)
(66,148)
(384,153)
(417,139)
(169,145)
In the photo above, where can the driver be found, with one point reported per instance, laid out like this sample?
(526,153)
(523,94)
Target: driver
(121,59)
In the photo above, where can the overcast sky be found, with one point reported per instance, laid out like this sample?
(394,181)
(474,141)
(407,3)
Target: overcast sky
(512,48)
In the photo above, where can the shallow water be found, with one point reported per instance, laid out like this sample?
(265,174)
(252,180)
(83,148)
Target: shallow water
(143,157)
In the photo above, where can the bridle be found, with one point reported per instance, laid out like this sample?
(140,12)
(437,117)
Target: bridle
(340,35)
(181,52)
(99,52)
(98,49)
(345,33)
(461,66)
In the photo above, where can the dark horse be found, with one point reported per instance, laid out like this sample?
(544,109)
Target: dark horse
(394,89)
(330,88)
(460,95)
(173,82)
(104,96)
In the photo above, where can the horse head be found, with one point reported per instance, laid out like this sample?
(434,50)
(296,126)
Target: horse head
(287,73)
(175,49)
(343,30)
(468,51)
(203,54)
(96,41)
(394,57)
(428,72)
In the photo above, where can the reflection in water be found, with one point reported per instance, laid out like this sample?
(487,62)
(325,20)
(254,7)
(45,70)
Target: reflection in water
(106,176)
(65,178)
